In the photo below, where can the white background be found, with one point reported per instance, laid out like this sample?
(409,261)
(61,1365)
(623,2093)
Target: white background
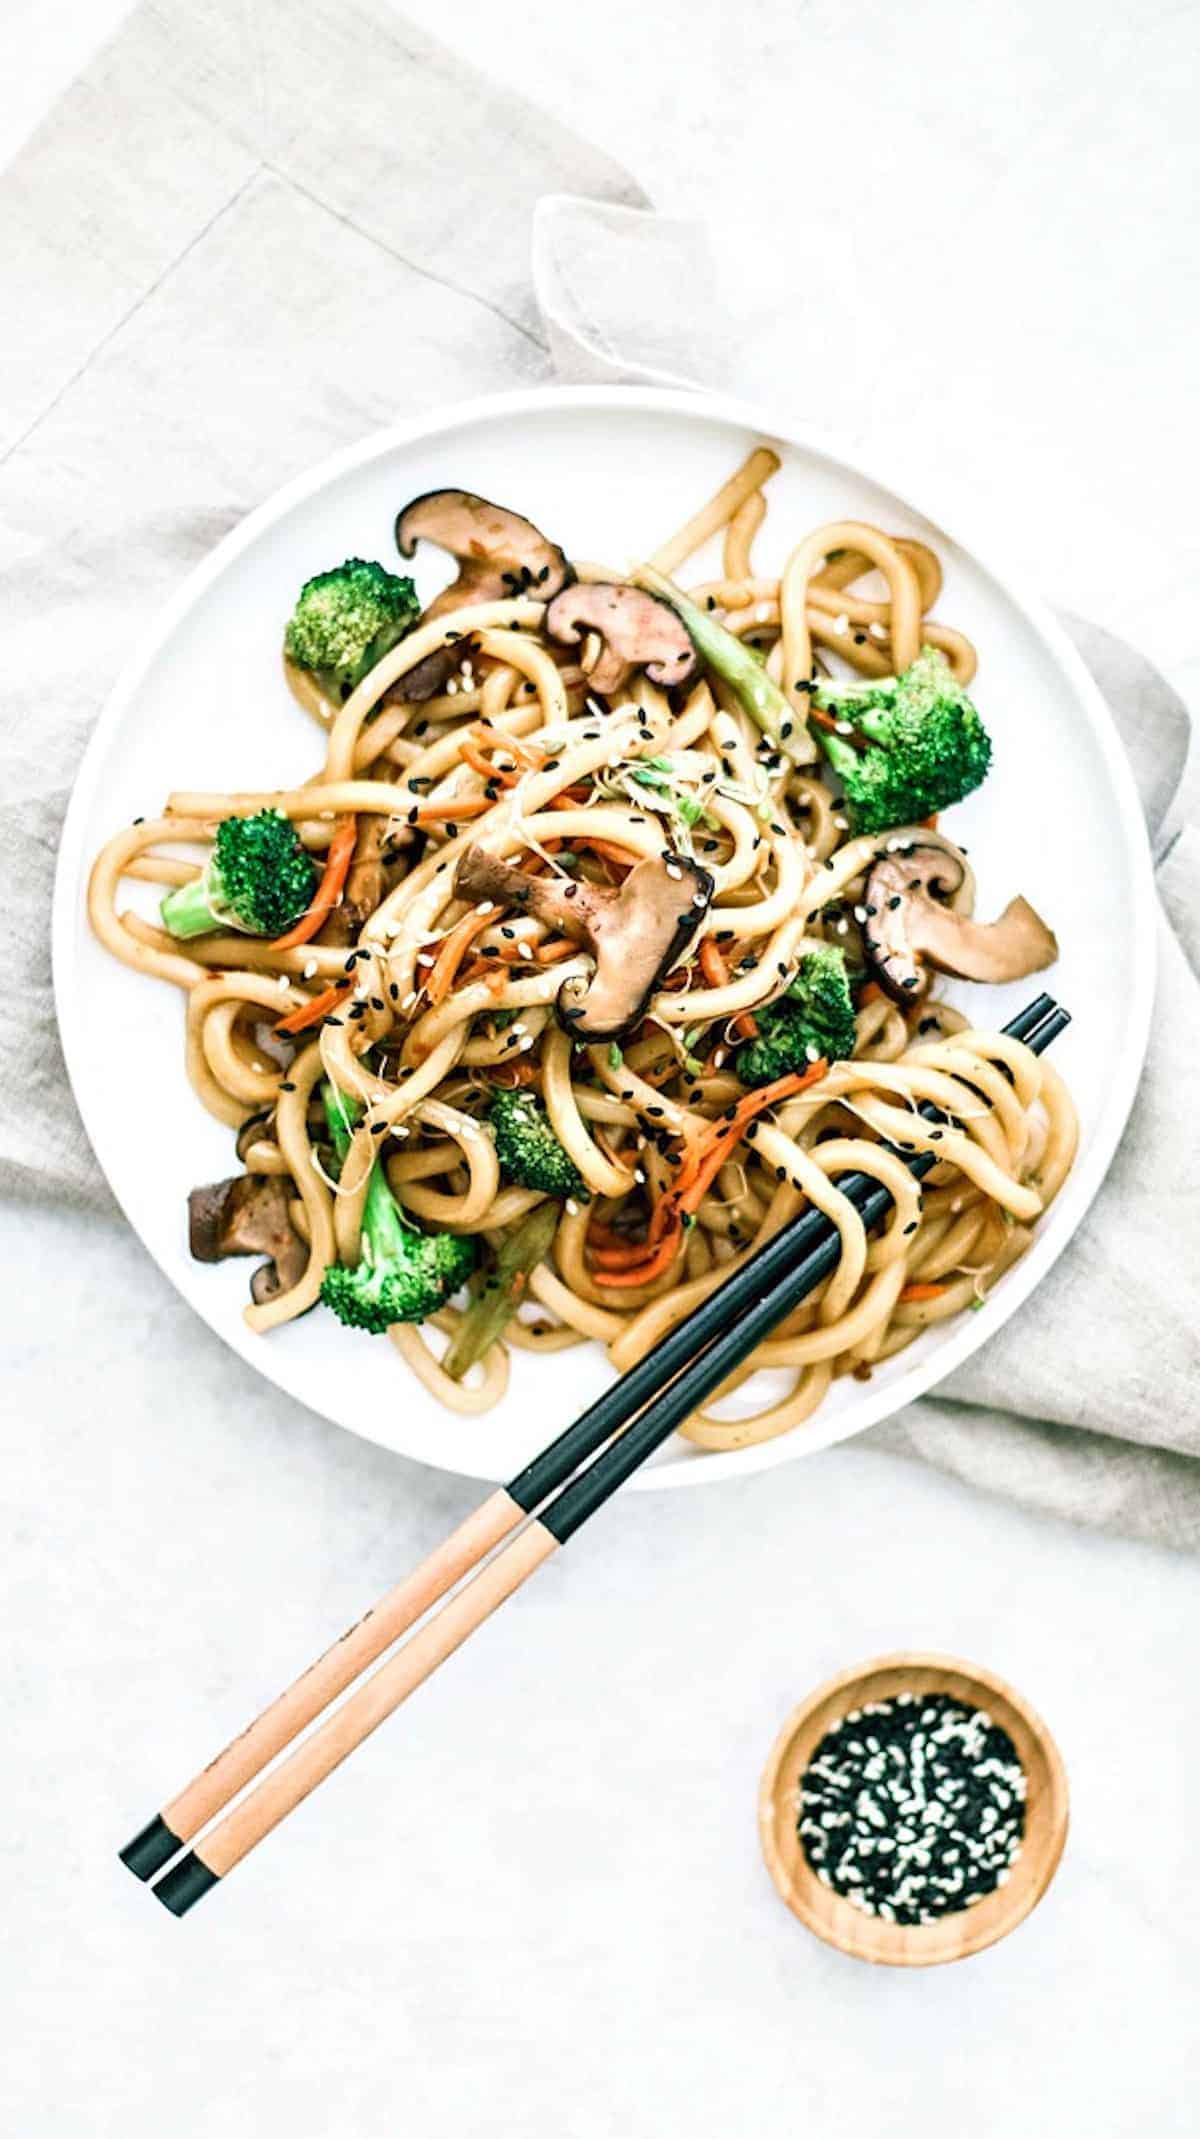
(533,1905)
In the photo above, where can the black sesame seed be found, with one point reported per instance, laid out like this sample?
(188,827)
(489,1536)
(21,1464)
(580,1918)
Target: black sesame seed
(913,1808)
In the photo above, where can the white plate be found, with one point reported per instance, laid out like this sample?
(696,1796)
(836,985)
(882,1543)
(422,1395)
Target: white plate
(608,472)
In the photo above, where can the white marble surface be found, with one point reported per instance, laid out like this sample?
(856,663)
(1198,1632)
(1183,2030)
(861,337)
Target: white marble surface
(533,1905)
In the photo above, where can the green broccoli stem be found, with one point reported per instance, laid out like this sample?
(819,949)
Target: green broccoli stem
(384,1224)
(504,1288)
(737,665)
(871,722)
(189,909)
(842,755)
(341,1113)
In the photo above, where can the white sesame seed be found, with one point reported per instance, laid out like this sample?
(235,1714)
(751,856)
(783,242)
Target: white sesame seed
(841,625)
(878,631)
(845,727)
(811,1053)
(310,967)
(452,687)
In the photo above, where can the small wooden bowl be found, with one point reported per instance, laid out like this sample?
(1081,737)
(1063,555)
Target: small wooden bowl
(967,1931)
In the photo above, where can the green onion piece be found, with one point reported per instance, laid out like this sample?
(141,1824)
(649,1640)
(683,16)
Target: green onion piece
(503,1289)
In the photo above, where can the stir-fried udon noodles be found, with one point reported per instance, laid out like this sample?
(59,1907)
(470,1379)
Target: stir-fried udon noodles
(606,934)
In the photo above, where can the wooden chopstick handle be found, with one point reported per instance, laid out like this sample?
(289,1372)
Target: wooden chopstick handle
(334,1740)
(245,1756)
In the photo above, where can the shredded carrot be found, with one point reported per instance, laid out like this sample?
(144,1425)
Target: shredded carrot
(450,953)
(491,971)
(511,1074)
(930,823)
(453,809)
(496,739)
(701,1164)
(607,1238)
(714,969)
(618,857)
(821,719)
(655,1263)
(328,891)
(630,1251)
(472,755)
(922,1292)
(872,993)
(312,1012)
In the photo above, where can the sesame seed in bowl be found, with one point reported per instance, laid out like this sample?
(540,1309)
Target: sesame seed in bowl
(913,1810)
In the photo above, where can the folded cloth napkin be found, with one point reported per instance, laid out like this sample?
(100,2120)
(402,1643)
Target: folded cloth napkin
(216,282)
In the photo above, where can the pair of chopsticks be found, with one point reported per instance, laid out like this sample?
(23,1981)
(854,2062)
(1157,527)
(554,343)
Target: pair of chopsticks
(641,1411)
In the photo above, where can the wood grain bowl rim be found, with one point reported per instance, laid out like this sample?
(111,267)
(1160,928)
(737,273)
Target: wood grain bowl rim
(968,1931)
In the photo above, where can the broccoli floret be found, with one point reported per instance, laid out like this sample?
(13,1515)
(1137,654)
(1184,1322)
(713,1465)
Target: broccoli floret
(258,879)
(527,1148)
(403,1275)
(346,620)
(815,1018)
(925,745)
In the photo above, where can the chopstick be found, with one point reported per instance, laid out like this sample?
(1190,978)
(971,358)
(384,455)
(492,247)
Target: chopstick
(486,1527)
(683,1370)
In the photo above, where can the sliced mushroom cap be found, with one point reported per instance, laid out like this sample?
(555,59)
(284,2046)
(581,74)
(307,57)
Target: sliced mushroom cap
(637,629)
(498,553)
(248,1215)
(635,933)
(908,932)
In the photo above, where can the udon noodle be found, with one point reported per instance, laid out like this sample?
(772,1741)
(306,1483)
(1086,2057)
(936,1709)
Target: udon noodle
(426,1002)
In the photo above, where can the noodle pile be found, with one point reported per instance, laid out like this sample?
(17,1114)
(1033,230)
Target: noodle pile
(438,1002)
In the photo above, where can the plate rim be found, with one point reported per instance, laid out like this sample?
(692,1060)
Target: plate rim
(893,472)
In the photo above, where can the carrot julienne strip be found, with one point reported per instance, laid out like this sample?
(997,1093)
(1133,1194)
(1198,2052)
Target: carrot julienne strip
(701,1165)
(312,1012)
(328,891)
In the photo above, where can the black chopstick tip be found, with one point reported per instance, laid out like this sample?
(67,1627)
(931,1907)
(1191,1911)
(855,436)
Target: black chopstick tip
(185,1884)
(1049,1030)
(151,1848)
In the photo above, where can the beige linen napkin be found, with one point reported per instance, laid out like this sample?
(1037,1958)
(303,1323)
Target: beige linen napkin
(215,282)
